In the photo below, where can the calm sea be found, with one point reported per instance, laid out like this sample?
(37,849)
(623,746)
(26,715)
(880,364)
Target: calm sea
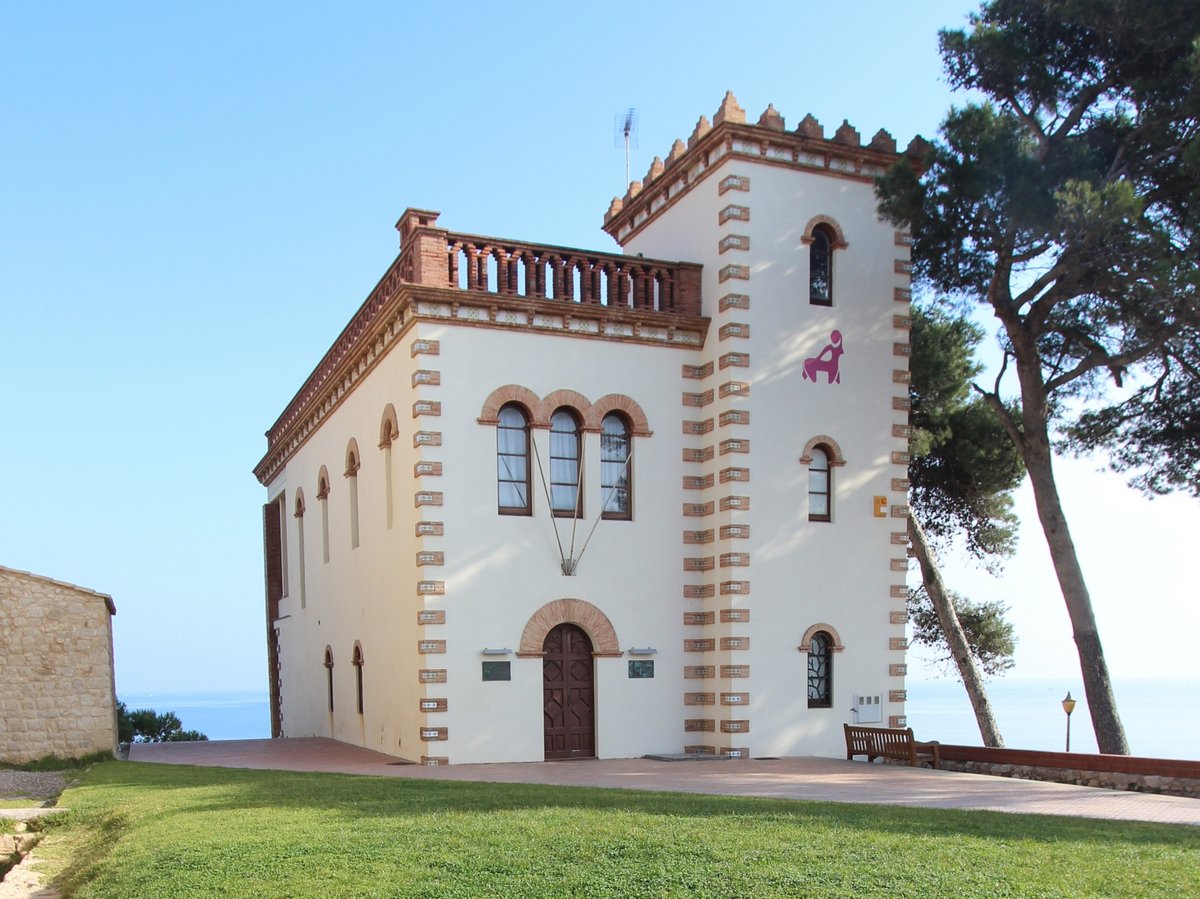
(1160,716)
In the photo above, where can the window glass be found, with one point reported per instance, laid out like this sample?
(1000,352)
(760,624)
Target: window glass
(615,467)
(564,464)
(820,674)
(512,460)
(820,268)
(819,486)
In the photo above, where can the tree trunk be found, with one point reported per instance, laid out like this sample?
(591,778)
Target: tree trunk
(1110,734)
(1034,447)
(960,650)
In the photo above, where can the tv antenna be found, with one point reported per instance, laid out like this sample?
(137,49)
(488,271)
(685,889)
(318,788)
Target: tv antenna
(625,127)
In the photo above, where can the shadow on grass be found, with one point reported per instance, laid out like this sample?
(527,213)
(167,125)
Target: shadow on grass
(346,799)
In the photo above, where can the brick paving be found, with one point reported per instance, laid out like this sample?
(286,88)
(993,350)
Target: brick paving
(808,778)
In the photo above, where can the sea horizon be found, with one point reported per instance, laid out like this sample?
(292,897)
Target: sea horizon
(1028,713)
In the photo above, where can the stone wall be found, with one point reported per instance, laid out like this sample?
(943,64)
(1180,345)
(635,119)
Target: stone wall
(1113,780)
(57,690)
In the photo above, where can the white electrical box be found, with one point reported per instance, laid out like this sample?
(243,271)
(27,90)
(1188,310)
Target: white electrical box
(868,708)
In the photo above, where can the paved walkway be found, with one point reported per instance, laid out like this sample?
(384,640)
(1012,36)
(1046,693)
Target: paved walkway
(810,778)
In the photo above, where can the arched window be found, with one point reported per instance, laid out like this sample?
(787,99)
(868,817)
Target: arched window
(616,472)
(820,486)
(565,498)
(323,498)
(329,675)
(353,463)
(512,461)
(820,266)
(357,661)
(300,543)
(820,671)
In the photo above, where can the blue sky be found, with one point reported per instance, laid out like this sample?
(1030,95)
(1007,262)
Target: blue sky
(195,198)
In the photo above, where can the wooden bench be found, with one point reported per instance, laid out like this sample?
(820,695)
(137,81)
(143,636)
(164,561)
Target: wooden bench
(889,743)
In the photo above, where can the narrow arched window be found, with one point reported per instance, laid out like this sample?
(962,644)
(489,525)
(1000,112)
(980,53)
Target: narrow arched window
(820,267)
(353,463)
(300,543)
(329,676)
(820,671)
(323,498)
(565,498)
(512,461)
(820,486)
(357,661)
(616,472)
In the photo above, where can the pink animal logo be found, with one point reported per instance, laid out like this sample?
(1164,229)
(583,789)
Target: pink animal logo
(826,361)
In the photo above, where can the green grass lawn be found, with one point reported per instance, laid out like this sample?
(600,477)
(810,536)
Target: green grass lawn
(138,830)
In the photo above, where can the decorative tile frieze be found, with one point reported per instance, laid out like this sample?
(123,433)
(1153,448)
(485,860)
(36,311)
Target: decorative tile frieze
(900,485)
(735,643)
(735,752)
(427,498)
(701,563)
(899,511)
(435,761)
(733,272)
(698,536)
(431,647)
(735,726)
(425,347)
(697,482)
(734,417)
(734,388)
(426,378)
(734,615)
(699,645)
(426,408)
(699,749)
(733,213)
(899,376)
(733,301)
(430,528)
(698,399)
(733,329)
(897,643)
(733,445)
(427,468)
(434,734)
(899,458)
(698,427)
(895,721)
(698,591)
(699,618)
(735,560)
(897,696)
(901,431)
(699,699)
(897,617)
(734,360)
(902,267)
(902,403)
(735,588)
(901,349)
(734,503)
(703,454)
(897,670)
(898,591)
(902,294)
(735,699)
(903,239)
(734,532)
(734,672)
(699,672)
(431,676)
(902,322)
(697,372)
(431,616)
(733,242)
(697,510)
(427,438)
(431,588)
(431,704)
(900,538)
(698,725)
(431,557)
(733,182)
(734,474)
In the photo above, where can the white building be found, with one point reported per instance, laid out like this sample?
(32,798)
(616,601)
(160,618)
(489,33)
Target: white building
(721,441)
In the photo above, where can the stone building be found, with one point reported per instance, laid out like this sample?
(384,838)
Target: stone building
(56,669)
(541,502)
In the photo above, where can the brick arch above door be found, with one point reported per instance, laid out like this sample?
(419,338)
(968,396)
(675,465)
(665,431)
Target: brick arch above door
(569,611)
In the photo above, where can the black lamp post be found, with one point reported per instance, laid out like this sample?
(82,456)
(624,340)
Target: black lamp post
(1068,705)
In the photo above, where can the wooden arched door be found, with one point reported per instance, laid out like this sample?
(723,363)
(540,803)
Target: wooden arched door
(568,694)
